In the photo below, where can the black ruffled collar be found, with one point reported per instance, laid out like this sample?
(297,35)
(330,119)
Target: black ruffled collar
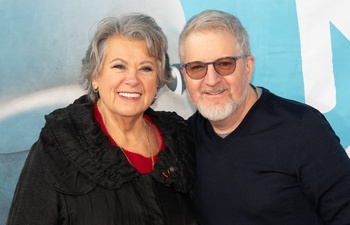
(85,158)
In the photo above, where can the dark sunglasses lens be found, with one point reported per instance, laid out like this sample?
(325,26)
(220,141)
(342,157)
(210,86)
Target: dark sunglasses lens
(196,70)
(225,66)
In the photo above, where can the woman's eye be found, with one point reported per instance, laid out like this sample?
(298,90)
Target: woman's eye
(147,69)
(118,66)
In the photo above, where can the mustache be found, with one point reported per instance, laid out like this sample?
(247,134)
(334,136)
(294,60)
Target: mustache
(212,90)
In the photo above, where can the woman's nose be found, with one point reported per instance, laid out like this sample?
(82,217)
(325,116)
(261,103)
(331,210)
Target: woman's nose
(132,77)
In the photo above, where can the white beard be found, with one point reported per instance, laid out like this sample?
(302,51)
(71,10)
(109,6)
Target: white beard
(216,112)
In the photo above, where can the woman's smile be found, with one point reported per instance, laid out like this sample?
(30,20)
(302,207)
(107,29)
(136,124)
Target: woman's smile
(131,95)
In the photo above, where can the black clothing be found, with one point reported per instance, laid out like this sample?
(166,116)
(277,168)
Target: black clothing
(282,165)
(73,175)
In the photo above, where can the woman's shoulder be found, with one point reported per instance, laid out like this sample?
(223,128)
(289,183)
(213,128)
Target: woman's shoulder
(164,114)
(75,151)
(167,120)
(176,163)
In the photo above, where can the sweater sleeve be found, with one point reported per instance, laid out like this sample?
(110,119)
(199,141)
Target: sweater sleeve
(323,169)
(34,201)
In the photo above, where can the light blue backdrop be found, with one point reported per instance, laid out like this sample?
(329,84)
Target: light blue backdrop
(301,47)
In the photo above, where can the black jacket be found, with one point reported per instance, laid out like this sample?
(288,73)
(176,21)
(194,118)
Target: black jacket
(73,175)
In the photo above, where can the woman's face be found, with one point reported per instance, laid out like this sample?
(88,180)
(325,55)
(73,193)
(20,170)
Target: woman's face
(127,81)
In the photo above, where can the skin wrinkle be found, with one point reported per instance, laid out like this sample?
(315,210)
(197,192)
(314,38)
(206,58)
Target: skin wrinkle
(127,82)
(224,99)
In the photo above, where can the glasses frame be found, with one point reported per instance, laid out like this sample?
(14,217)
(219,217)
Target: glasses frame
(235,58)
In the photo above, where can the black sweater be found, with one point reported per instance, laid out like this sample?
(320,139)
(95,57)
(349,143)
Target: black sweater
(74,176)
(282,165)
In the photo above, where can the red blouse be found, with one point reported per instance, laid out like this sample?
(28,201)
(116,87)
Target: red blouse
(141,163)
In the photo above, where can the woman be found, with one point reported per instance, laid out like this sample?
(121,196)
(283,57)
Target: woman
(108,158)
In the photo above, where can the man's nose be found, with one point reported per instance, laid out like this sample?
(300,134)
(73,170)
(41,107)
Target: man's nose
(212,77)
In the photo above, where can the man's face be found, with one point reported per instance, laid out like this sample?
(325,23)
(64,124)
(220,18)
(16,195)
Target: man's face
(216,96)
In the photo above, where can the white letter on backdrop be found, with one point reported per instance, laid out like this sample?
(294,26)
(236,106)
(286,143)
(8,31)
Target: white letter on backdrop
(314,17)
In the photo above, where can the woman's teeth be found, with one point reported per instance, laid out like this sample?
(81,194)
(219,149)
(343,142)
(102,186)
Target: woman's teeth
(129,95)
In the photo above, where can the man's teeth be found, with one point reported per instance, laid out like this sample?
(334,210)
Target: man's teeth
(129,95)
(215,93)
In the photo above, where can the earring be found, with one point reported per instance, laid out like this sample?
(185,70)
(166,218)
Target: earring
(95,88)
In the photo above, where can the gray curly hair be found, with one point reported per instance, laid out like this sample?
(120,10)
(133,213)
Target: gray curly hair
(134,26)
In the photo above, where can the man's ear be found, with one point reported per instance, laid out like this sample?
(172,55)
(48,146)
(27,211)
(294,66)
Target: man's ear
(250,63)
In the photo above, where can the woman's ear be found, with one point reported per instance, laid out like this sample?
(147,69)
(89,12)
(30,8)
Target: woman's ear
(94,85)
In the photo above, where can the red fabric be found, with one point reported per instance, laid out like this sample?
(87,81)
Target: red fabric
(141,163)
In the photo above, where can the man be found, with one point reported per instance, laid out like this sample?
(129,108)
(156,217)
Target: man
(261,159)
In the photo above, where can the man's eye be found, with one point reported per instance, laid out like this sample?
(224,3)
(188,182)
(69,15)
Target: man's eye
(197,67)
(224,64)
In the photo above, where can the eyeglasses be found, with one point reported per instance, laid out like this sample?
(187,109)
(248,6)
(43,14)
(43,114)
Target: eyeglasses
(223,66)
